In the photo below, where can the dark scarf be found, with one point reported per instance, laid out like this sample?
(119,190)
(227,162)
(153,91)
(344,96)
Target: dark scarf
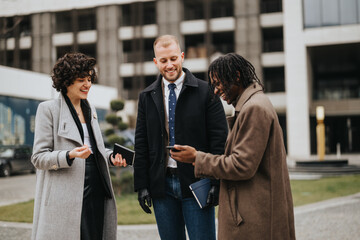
(85,107)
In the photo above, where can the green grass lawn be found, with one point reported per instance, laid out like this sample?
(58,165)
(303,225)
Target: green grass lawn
(129,211)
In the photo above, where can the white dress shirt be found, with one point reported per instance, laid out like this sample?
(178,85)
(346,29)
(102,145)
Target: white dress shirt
(179,83)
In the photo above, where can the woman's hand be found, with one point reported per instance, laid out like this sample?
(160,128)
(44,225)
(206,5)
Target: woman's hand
(80,152)
(186,154)
(118,160)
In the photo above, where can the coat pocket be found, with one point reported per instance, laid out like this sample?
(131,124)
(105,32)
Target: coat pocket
(233,204)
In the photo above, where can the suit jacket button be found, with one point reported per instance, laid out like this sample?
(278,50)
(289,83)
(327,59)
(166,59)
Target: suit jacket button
(54,167)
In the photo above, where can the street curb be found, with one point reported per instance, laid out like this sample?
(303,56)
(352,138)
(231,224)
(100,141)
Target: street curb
(330,203)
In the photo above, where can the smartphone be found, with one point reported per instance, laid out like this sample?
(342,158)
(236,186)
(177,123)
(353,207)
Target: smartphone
(172,148)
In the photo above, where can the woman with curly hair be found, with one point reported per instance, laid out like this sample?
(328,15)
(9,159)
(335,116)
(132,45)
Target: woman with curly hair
(74,197)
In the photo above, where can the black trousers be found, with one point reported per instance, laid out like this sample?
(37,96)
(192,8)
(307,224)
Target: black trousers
(92,215)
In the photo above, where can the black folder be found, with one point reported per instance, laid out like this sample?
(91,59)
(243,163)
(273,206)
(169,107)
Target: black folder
(201,189)
(125,152)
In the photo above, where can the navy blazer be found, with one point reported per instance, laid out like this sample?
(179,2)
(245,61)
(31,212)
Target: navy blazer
(199,122)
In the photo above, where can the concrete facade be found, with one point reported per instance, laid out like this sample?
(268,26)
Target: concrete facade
(247,27)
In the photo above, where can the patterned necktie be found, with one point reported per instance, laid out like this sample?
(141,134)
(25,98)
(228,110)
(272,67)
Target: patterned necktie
(172,105)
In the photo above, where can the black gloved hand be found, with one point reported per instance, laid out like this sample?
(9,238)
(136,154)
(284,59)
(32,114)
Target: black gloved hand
(213,196)
(144,200)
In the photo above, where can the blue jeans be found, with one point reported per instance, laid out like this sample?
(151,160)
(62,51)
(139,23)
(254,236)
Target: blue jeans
(173,212)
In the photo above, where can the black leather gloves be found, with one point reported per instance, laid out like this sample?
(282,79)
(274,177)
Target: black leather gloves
(213,196)
(144,200)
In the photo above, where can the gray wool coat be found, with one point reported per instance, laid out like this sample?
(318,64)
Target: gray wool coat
(59,187)
(255,199)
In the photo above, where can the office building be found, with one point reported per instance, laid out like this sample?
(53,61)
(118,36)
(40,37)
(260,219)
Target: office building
(305,51)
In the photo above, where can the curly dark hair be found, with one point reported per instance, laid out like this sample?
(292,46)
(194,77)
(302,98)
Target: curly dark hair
(70,67)
(227,70)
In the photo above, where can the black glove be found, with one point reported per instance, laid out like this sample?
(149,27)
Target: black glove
(213,196)
(144,200)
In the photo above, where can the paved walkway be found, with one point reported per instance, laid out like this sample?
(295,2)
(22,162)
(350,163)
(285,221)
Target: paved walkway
(333,219)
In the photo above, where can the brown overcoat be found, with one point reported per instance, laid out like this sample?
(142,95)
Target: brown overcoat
(255,196)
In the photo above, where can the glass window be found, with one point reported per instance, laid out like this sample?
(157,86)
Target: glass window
(10,58)
(149,11)
(273,39)
(86,19)
(9,27)
(348,12)
(138,13)
(148,49)
(193,9)
(60,51)
(128,83)
(269,6)
(358,10)
(25,59)
(25,26)
(330,12)
(128,55)
(222,8)
(343,130)
(125,15)
(17,117)
(336,72)
(88,49)
(274,79)
(312,13)
(63,22)
(223,42)
(319,13)
(195,46)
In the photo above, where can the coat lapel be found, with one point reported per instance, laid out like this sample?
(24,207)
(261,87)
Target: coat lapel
(157,96)
(67,126)
(246,95)
(249,91)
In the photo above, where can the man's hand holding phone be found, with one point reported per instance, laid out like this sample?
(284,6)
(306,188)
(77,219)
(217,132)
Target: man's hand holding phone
(172,148)
(183,153)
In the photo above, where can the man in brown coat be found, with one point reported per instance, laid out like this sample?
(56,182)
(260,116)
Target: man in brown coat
(255,196)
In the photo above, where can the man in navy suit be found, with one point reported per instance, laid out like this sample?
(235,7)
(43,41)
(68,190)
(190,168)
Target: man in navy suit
(199,121)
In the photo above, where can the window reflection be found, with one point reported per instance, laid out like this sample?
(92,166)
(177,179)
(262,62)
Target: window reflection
(336,73)
(318,13)
(15,120)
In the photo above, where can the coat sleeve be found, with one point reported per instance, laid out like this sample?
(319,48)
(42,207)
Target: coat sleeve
(44,157)
(250,142)
(141,167)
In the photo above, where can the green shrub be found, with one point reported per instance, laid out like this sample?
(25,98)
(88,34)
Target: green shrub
(125,184)
(109,132)
(117,105)
(122,126)
(112,119)
(113,138)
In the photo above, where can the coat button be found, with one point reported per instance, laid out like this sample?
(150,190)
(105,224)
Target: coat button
(54,167)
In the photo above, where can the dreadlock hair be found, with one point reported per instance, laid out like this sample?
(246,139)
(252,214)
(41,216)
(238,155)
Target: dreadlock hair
(232,69)
(70,67)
